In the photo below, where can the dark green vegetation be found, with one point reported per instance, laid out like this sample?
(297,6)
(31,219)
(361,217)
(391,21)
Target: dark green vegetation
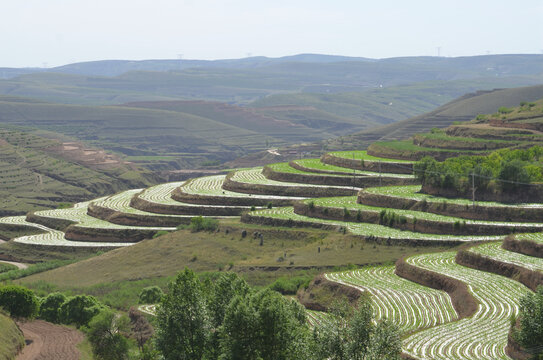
(501,171)
(18,301)
(530,332)
(226,319)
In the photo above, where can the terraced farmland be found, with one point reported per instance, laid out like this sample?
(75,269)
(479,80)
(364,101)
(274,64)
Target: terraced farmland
(287,214)
(496,252)
(409,305)
(412,216)
(482,336)
(433,322)
(312,164)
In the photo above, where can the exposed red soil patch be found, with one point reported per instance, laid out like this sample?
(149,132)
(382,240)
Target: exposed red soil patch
(47,341)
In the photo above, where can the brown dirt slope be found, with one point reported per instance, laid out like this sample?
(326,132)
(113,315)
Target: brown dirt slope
(46,341)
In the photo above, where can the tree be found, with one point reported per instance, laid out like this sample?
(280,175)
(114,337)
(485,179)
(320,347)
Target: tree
(530,334)
(142,330)
(239,333)
(19,301)
(79,310)
(352,335)
(512,173)
(182,321)
(265,326)
(49,309)
(105,335)
(219,296)
(150,295)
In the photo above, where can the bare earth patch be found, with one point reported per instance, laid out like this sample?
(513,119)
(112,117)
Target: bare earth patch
(47,341)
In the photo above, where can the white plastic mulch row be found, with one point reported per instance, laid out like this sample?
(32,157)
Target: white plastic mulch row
(52,237)
(494,251)
(482,336)
(365,229)
(407,304)
(212,185)
(78,214)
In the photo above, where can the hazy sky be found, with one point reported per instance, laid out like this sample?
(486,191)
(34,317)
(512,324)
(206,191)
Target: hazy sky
(57,32)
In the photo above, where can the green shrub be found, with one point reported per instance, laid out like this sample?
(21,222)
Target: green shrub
(50,305)
(79,310)
(160,233)
(200,223)
(504,110)
(19,301)
(7,267)
(289,286)
(150,295)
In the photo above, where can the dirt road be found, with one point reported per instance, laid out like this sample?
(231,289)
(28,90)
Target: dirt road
(46,341)
(18,264)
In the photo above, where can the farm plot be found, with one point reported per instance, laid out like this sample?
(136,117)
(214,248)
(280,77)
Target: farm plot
(212,186)
(535,237)
(412,192)
(409,305)
(79,215)
(121,202)
(366,230)
(314,163)
(482,336)
(51,237)
(349,202)
(161,194)
(363,155)
(255,176)
(496,252)
(317,318)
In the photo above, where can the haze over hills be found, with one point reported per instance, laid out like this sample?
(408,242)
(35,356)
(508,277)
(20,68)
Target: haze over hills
(244,80)
(179,114)
(461,109)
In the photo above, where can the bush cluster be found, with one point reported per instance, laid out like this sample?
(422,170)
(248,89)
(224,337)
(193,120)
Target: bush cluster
(503,170)
(200,223)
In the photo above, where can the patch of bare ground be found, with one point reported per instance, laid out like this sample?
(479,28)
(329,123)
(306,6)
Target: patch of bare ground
(47,341)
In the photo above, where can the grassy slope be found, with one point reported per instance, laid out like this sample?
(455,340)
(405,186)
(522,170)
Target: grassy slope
(11,338)
(154,261)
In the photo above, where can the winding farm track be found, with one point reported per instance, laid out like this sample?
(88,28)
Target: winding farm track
(18,264)
(47,341)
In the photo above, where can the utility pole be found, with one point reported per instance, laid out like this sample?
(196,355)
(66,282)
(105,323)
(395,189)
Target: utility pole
(473,187)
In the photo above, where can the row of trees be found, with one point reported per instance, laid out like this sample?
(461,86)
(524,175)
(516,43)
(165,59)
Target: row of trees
(226,319)
(503,170)
(217,318)
(21,302)
(107,331)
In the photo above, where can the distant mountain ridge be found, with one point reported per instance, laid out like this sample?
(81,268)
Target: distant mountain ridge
(513,63)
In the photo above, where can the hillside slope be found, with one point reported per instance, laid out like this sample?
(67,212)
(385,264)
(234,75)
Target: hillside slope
(38,172)
(11,338)
(461,109)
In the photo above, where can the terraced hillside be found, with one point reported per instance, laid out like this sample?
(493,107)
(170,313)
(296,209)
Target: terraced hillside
(508,127)
(38,173)
(449,305)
